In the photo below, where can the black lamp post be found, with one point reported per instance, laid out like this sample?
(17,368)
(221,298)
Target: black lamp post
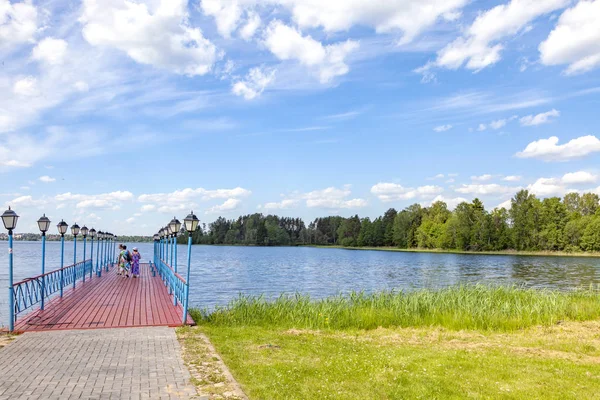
(191,224)
(174,227)
(9,219)
(62,229)
(44,225)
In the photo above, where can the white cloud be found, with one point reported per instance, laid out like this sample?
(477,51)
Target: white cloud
(254,83)
(451,202)
(81,86)
(481,127)
(252,24)
(287,43)
(27,201)
(575,40)
(387,192)
(281,205)
(505,204)
(481,44)
(156,34)
(50,51)
(547,187)
(332,198)
(186,199)
(18,23)
(26,87)
(228,205)
(486,189)
(550,150)
(148,207)
(482,178)
(111,201)
(538,119)
(442,128)
(410,17)
(579,177)
(130,220)
(46,179)
(498,124)
(512,178)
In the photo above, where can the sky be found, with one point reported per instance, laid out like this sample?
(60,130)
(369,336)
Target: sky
(120,114)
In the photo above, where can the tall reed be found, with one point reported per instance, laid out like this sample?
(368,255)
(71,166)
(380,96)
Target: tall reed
(458,307)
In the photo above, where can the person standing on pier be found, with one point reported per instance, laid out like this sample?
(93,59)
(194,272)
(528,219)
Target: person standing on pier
(124,260)
(135,263)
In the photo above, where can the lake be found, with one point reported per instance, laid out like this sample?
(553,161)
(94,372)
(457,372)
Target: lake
(220,273)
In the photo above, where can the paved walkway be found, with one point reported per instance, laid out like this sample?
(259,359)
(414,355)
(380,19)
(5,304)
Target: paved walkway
(129,363)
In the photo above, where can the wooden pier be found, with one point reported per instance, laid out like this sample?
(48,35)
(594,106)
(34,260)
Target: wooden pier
(108,301)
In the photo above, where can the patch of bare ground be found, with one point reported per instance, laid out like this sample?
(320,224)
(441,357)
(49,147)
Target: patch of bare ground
(212,378)
(5,339)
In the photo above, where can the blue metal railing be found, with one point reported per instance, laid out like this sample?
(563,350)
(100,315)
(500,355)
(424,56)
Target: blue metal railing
(172,280)
(28,292)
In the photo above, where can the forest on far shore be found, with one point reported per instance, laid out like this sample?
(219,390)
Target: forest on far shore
(570,224)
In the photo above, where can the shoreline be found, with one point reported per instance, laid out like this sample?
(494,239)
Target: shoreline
(467,252)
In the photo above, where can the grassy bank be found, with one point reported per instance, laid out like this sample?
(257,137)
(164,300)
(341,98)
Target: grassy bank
(461,342)
(488,253)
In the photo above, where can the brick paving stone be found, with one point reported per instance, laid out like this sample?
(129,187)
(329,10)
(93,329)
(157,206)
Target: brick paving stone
(126,363)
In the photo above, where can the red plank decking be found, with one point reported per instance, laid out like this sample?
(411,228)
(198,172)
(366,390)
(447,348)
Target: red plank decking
(110,301)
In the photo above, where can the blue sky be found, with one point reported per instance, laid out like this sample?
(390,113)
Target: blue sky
(120,114)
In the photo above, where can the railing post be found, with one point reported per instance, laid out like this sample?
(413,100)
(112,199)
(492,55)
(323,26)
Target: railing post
(92,257)
(74,260)
(175,251)
(84,263)
(99,256)
(62,263)
(11,295)
(186,298)
(168,243)
(43,284)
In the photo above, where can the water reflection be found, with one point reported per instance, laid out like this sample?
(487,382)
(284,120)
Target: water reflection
(220,273)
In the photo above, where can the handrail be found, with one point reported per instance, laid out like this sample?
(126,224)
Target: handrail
(172,280)
(28,292)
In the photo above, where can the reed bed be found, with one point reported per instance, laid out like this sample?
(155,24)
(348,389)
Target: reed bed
(483,307)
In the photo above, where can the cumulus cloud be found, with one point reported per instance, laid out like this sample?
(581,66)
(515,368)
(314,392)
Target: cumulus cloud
(579,177)
(112,200)
(254,83)
(512,178)
(18,23)
(575,40)
(157,33)
(50,51)
(281,205)
(26,87)
(481,45)
(538,119)
(442,128)
(482,178)
(408,17)
(486,189)
(387,192)
(252,24)
(332,198)
(550,150)
(547,187)
(186,199)
(228,205)
(287,43)
(451,202)
(46,179)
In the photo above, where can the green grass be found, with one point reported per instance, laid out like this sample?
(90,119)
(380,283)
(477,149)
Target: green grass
(476,342)
(459,307)
(405,364)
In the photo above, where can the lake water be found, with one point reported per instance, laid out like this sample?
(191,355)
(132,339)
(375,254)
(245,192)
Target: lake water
(220,273)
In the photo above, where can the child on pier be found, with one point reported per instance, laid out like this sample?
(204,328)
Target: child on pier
(124,260)
(135,263)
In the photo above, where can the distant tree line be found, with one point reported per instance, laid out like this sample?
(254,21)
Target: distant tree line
(531,224)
